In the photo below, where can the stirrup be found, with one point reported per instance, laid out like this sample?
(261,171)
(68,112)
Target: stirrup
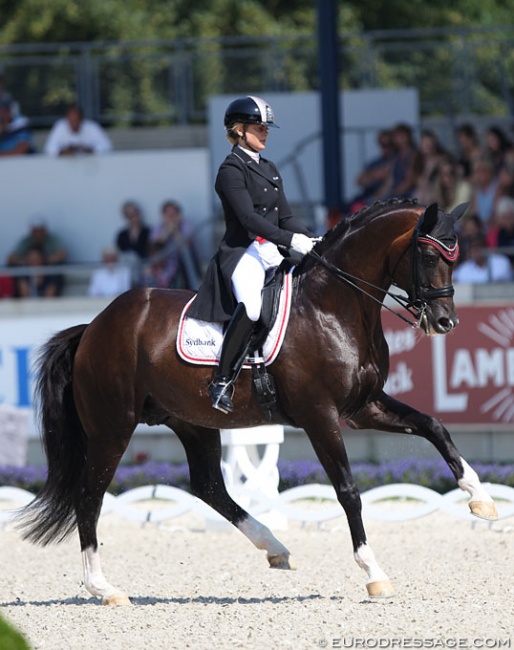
(221,393)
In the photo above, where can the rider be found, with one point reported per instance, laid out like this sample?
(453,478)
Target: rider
(257,219)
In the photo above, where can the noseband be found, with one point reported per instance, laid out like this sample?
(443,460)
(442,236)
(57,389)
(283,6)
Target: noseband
(419,296)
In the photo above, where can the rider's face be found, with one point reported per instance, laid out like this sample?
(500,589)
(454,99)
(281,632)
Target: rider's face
(256,136)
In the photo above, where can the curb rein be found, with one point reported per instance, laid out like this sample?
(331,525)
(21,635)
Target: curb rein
(417,301)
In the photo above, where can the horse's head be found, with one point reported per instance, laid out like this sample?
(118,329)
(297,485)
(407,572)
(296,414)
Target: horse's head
(434,251)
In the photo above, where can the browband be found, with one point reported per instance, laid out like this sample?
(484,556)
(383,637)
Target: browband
(450,253)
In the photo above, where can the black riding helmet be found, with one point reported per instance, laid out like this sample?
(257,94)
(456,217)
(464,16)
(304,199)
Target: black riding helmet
(249,110)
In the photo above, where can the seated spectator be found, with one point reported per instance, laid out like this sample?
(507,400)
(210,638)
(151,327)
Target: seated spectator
(424,166)
(74,135)
(484,190)
(158,272)
(15,132)
(469,228)
(134,238)
(39,236)
(5,96)
(481,267)
(497,144)
(504,214)
(172,253)
(112,278)
(376,172)
(450,189)
(401,181)
(38,285)
(469,148)
(48,243)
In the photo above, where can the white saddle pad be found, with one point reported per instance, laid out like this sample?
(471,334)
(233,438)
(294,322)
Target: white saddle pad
(199,342)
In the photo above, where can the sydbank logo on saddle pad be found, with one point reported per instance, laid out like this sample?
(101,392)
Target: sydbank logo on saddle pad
(464,377)
(199,342)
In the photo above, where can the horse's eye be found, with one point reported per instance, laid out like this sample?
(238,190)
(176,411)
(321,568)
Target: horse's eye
(430,260)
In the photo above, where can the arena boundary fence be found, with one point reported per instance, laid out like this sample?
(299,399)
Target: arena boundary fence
(306,504)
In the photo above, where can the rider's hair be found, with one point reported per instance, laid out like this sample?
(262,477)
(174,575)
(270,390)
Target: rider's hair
(232,132)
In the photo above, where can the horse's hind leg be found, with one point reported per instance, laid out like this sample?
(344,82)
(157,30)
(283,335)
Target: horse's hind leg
(203,450)
(103,457)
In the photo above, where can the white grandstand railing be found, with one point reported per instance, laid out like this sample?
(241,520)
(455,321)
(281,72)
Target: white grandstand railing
(400,502)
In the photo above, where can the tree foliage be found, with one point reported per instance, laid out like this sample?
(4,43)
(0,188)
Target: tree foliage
(50,21)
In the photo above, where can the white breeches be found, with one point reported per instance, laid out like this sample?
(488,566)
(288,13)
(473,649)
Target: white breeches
(249,274)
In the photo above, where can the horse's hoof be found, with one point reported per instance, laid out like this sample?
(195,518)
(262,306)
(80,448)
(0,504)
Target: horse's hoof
(380,589)
(280,562)
(484,510)
(117,600)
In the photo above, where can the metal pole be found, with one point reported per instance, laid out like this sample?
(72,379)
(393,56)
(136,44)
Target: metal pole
(330,109)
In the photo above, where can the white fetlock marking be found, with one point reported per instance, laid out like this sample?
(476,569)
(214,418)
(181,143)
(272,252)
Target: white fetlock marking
(471,483)
(261,536)
(94,579)
(365,558)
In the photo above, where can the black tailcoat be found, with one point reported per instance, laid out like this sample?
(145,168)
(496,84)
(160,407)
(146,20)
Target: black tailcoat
(254,204)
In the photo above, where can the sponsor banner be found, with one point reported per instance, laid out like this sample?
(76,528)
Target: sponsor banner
(466,377)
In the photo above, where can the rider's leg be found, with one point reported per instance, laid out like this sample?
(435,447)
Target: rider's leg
(247,283)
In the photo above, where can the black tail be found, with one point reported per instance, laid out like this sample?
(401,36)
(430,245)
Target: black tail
(51,516)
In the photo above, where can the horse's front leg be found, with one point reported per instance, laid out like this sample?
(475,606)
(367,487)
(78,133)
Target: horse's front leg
(388,414)
(326,438)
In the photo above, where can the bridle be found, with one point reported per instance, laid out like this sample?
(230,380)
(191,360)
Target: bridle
(418,297)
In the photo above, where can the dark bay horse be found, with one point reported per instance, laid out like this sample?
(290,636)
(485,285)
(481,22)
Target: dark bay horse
(96,382)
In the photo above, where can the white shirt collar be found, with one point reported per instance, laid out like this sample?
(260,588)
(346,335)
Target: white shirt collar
(254,155)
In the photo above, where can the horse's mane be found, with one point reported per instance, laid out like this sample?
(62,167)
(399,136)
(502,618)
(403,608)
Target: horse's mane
(352,222)
(362,217)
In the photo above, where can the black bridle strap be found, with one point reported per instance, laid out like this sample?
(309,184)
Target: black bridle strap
(351,280)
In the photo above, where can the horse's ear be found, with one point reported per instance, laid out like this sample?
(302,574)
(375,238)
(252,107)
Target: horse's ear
(457,212)
(429,219)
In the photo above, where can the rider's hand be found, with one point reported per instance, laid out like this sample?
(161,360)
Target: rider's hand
(302,244)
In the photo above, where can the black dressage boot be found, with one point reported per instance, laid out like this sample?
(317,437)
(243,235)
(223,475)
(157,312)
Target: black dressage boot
(233,352)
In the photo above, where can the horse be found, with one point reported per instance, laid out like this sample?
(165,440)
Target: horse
(96,382)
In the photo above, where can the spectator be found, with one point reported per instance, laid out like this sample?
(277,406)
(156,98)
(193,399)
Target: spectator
(74,135)
(173,263)
(38,285)
(485,188)
(497,144)
(481,267)
(470,227)
(112,278)
(424,166)
(469,148)
(134,238)
(450,189)
(5,96)
(401,181)
(377,171)
(505,225)
(39,236)
(15,132)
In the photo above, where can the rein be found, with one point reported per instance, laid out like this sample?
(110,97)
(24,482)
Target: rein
(415,310)
(416,303)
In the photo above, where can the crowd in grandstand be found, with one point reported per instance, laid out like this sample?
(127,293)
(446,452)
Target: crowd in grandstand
(478,169)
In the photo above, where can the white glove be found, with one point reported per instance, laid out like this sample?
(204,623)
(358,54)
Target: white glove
(301,243)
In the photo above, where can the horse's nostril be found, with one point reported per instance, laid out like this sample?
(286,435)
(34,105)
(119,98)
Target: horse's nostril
(445,324)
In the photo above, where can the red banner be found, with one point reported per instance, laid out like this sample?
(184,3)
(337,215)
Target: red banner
(465,377)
